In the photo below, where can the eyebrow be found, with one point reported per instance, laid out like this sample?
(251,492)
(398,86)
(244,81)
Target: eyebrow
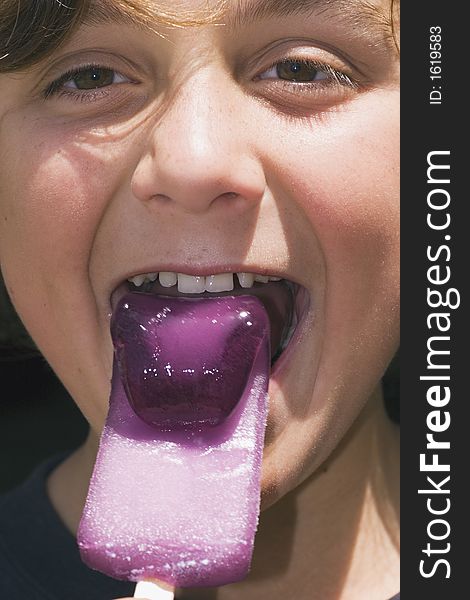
(112,11)
(362,14)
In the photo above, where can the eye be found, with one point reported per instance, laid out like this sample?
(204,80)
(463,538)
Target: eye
(85,79)
(299,71)
(304,85)
(94,77)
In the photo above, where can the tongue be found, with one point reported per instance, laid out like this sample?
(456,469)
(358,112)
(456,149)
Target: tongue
(185,362)
(176,487)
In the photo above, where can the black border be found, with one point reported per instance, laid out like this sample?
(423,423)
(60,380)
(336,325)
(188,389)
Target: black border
(425,128)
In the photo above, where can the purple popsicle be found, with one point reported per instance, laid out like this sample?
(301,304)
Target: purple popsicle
(176,487)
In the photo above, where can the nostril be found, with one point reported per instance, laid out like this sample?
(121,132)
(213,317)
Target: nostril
(162,197)
(229,198)
(232,200)
(196,202)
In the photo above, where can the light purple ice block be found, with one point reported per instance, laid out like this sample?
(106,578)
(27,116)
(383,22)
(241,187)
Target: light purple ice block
(178,499)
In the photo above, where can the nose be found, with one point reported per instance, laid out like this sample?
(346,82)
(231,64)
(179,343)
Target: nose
(198,154)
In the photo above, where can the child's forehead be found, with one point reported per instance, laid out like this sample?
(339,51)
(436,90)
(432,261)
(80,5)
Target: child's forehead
(374,21)
(371,14)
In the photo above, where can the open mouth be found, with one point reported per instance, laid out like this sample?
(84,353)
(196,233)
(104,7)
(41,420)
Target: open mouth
(285,302)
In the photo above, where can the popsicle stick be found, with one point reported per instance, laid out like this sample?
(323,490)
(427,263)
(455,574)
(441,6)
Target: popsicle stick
(154,590)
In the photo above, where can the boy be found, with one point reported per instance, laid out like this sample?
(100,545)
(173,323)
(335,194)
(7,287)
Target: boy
(257,138)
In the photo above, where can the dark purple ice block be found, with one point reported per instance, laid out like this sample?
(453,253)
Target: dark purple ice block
(185,362)
(182,506)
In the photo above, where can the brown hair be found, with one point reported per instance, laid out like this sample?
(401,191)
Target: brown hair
(29,31)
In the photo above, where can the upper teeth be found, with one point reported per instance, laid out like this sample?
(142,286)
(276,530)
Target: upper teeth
(194,284)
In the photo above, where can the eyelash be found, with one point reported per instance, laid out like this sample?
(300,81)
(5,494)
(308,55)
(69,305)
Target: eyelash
(55,88)
(335,76)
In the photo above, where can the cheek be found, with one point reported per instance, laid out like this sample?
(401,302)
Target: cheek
(55,189)
(354,210)
(347,186)
(53,195)
(50,226)
(344,191)
(48,196)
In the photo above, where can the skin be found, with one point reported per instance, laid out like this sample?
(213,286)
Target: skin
(188,141)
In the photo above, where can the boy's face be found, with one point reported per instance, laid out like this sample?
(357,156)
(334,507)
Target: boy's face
(266,145)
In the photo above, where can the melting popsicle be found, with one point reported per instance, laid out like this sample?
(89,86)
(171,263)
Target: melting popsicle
(175,491)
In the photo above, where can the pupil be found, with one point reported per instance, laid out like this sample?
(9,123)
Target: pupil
(94,78)
(296,71)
